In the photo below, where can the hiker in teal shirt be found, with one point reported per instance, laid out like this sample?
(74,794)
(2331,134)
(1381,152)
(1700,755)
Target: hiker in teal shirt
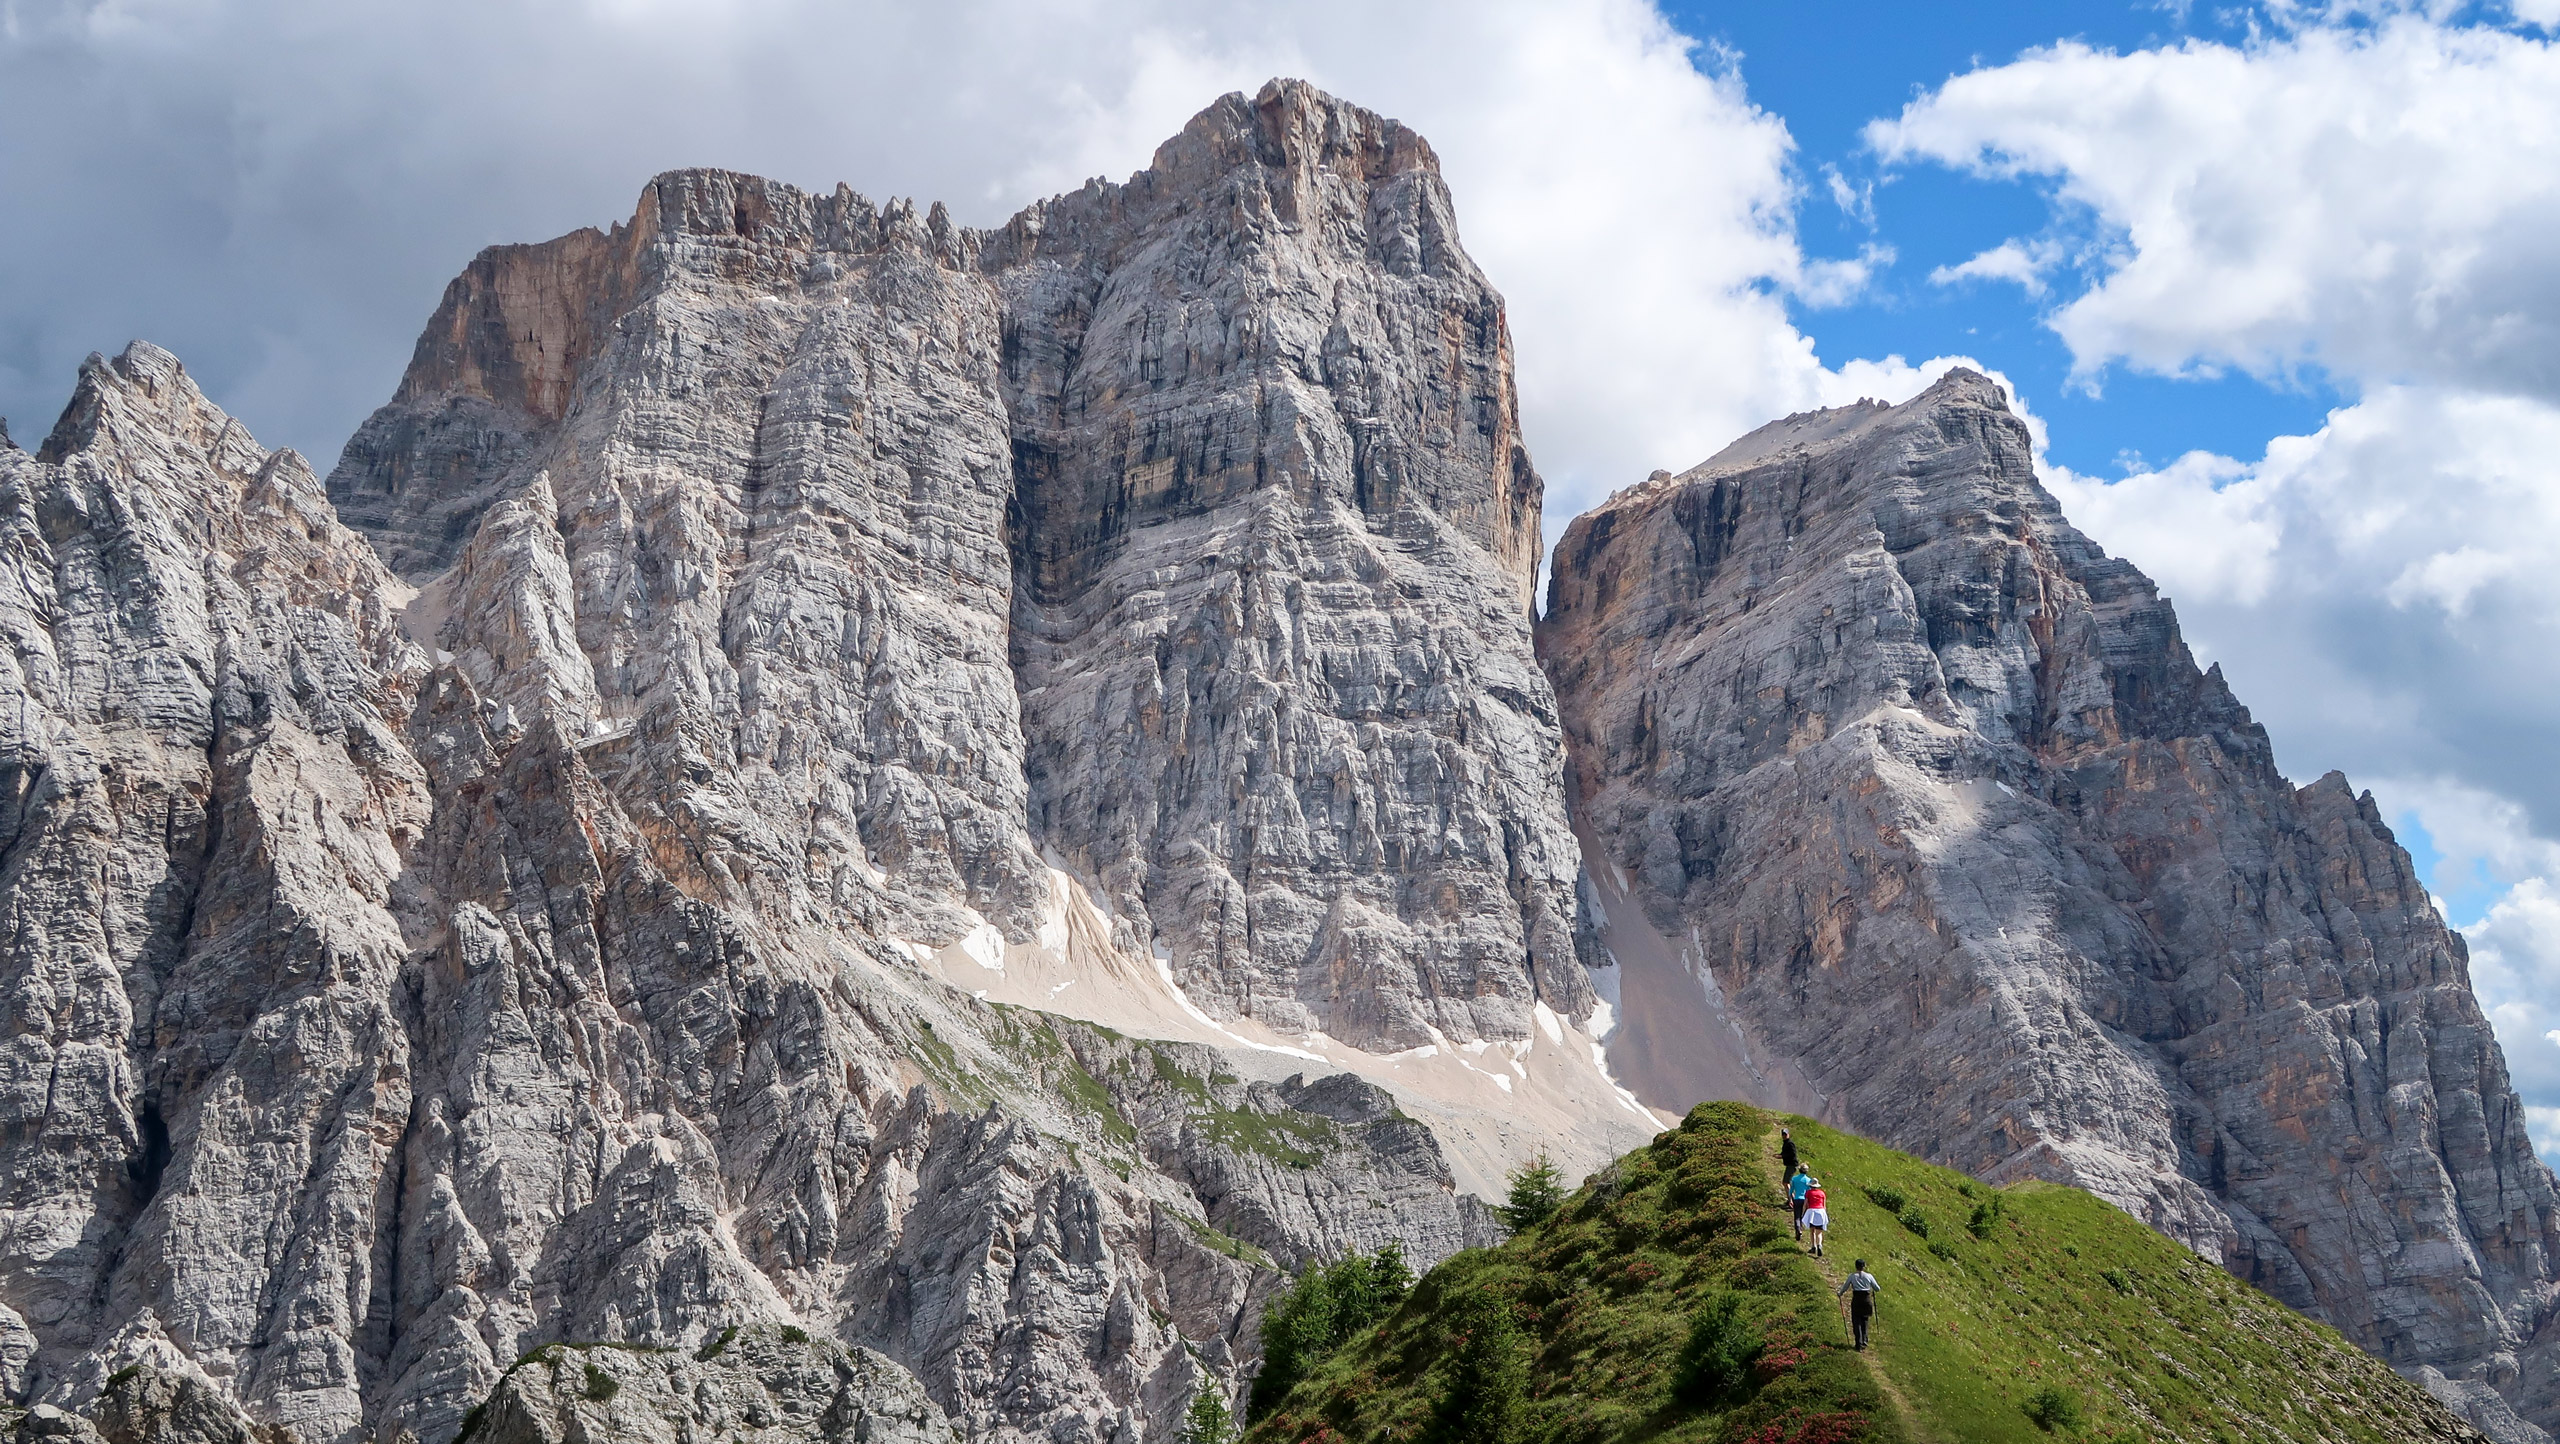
(1796,1186)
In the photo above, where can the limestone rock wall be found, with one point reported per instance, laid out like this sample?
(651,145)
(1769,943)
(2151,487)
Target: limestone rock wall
(1934,795)
(505,898)
(1274,535)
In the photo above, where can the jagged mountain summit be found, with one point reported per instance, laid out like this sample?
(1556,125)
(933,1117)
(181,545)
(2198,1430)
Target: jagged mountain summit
(974,796)
(1971,857)
(581,875)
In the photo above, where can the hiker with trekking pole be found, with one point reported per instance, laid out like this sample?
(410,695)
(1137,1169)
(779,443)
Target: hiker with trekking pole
(1860,1291)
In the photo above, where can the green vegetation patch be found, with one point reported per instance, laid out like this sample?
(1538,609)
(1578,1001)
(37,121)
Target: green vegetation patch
(1661,1301)
(2054,1314)
(1296,1139)
(1667,1300)
(1225,1243)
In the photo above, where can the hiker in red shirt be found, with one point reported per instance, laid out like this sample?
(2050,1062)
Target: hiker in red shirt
(1816,1216)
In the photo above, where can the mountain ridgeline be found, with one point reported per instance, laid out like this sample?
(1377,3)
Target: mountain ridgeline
(841,824)
(1668,1300)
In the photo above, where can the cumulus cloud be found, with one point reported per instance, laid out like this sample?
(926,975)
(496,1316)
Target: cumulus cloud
(2020,263)
(2515,955)
(278,189)
(2375,199)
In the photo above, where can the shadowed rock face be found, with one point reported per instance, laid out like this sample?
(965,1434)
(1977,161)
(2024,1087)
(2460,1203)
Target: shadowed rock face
(514,921)
(1932,791)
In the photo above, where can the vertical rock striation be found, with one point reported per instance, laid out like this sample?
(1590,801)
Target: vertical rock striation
(506,898)
(1933,793)
(1274,536)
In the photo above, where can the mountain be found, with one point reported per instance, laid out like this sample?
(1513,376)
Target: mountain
(1989,1299)
(579,874)
(1977,863)
(979,796)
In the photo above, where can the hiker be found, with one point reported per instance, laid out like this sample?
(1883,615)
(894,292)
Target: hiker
(1861,1289)
(1797,1183)
(1786,1153)
(1816,1216)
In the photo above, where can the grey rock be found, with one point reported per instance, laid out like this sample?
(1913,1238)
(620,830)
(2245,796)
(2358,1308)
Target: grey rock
(1275,532)
(755,1381)
(1180,528)
(1949,819)
(502,926)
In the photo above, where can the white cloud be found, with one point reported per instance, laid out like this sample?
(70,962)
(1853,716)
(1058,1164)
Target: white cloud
(2385,593)
(2374,199)
(278,189)
(2021,263)
(2515,967)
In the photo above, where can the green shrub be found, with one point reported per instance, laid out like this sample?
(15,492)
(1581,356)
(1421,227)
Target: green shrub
(1941,1248)
(1714,1367)
(2072,1249)
(2117,1279)
(1207,1421)
(711,1350)
(793,1333)
(1886,1197)
(600,1385)
(1488,1377)
(1984,1216)
(2053,1409)
(1914,1220)
(1328,1305)
(1537,1191)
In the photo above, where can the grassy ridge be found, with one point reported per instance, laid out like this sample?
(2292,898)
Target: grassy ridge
(2051,1293)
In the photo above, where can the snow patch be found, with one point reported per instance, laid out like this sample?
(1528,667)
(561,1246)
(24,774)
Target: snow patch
(1548,1022)
(984,945)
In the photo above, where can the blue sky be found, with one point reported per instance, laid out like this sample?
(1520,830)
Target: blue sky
(1828,69)
(2276,281)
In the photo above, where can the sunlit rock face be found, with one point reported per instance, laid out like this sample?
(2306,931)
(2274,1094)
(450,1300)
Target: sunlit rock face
(1931,790)
(515,893)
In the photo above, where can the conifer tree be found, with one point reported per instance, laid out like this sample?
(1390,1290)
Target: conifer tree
(1537,1191)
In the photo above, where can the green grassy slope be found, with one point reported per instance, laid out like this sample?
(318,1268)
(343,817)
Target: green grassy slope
(2060,1293)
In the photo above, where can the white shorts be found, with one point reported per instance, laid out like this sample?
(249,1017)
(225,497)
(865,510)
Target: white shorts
(1817,1218)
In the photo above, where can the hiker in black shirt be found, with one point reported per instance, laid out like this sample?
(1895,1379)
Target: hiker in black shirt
(1861,1289)
(1786,1154)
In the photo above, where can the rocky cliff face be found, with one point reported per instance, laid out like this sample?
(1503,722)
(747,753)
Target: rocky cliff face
(1927,791)
(565,904)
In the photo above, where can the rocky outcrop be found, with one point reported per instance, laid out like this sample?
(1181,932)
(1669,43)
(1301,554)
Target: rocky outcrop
(1927,791)
(532,915)
(771,1383)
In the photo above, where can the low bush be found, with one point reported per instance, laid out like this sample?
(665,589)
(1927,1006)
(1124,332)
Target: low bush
(1714,1367)
(1488,1375)
(2053,1409)
(1914,1220)
(1886,1197)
